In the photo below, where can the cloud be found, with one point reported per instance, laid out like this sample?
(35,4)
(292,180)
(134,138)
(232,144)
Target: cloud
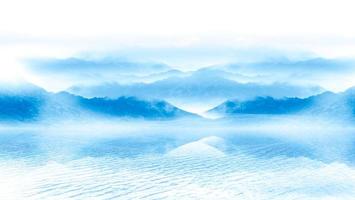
(332,74)
(107,65)
(63,73)
(307,66)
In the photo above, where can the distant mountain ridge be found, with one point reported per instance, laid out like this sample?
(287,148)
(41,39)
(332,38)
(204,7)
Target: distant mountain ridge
(204,83)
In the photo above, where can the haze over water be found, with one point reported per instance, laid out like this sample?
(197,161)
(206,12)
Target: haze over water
(169,160)
(167,99)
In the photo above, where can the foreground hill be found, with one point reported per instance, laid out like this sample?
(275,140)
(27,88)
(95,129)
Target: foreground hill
(324,104)
(35,104)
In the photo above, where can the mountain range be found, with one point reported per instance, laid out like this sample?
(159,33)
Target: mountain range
(205,83)
(327,103)
(30,103)
(27,102)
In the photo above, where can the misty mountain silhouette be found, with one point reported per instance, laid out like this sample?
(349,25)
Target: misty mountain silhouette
(205,83)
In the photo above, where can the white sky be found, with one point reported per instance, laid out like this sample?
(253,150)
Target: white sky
(69,27)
